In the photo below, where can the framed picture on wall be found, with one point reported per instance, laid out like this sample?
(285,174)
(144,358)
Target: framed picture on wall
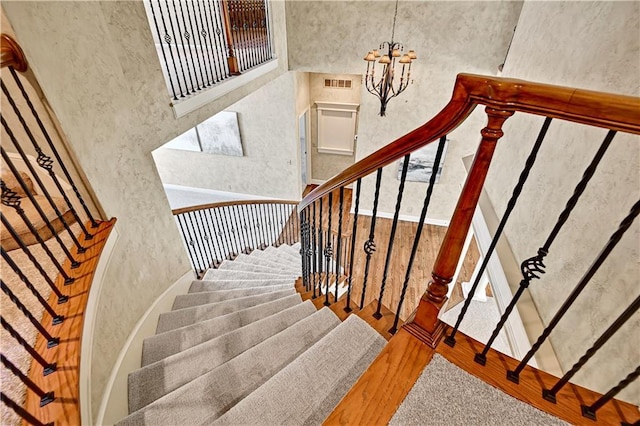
(421,163)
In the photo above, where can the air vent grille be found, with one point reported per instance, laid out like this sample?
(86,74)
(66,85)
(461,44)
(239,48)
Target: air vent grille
(337,84)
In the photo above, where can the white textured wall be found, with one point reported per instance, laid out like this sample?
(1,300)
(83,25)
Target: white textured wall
(449,38)
(325,166)
(99,70)
(592,45)
(269,167)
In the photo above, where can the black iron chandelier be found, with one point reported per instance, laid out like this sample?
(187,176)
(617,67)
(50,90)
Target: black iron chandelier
(392,81)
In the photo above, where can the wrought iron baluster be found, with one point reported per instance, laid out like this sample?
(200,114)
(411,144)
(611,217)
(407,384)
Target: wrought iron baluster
(17,408)
(210,32)
(195,33)
(303,223)
(57,319)
(46,163)
(370,245)
(347,307)
(253,236)
(517,190)
(314,249)
(223,49)
(9,198)
(532,267)
(183,35)
(273,225)
(221,229)
(258,227)
(416,240)
(267,24)
(179,58)
(212,234)
(204,234)
(243,228)
(602,256)
(392,235)
(48,367)
(231,230)
(550,394)
(207,47)
(339,239)
(60,163)
(198,236)
(264,227)
(51,341)
(188,226)
(320,248)
(328,251)
(164,55)
(183,232)
(590,411)
(45,397)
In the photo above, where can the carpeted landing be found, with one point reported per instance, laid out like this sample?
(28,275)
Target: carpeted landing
(242,348)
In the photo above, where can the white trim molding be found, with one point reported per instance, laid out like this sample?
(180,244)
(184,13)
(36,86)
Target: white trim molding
(182,108)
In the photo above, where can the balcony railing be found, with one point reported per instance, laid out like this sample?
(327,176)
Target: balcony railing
(201,43)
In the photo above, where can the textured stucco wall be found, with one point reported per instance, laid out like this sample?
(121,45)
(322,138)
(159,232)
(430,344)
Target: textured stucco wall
(98,68)
(575,44)
(269,167)
(449,38)
(324,166)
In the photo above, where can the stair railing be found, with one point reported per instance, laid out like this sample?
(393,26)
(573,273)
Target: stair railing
(221,231)
(203,42)
(46,279)
(502,98)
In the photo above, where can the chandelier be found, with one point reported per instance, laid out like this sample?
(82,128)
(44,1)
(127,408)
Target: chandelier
(392,81)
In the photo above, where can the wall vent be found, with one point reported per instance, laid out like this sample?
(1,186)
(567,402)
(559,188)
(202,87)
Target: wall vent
(337,84)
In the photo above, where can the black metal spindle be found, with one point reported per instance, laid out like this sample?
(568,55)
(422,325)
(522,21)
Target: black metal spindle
(210,30)
(179,57)
(48,367)
(267,23)
(190,66)
(347,307)
(602,256)
(9,198)
(206,47)
(550,394)
(272,225)
(251,223)
(168,39)
(314,250)
(392,235)
(303,222)
(535,265)
(320,248)
(204,237)
(258,227)
(194,242)
(253,33)
(590,411)
(221,46)
(339,239)
(183,232)
(57,319)
(194,37)
(221,240)
(45,162)
(196,231)
(416,240)
(223,229)
(328,251)
(45,397)
(164,55)
(17,408)
(370,245)
(53,148)
(212,235)
(208,237)
(517,190)
(283,229)
(233,229)
(241,229)
(51,341)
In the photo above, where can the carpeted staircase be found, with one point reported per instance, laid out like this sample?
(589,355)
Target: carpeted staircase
(243,348)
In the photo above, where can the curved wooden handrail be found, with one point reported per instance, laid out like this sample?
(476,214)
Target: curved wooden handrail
(11,54)
(616,112)
(183,210)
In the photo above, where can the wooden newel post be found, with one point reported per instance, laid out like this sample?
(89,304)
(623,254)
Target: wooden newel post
(232,60)
(425,324)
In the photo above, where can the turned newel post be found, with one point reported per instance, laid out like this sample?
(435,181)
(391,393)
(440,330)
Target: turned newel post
(425,324)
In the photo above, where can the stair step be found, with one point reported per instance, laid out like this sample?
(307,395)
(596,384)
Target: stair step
(283,251)
(324,374)
(383,324)
(202,285)
(212,394)
(204,297)
(246,265)
(175,319)
(270,262)
(221,274)
(155,380)
(160,346)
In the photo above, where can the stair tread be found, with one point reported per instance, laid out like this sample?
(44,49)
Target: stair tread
(159,378)
(198,400)
(203,297)
(215,285)
(325,371)
(249,266)
(217,274)
(181,317)
(269,262)
(160,346)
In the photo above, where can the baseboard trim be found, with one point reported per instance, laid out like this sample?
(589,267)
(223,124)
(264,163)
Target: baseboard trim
(88,328)
(114,405)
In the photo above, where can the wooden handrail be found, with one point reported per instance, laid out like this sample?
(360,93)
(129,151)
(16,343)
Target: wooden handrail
(11,54)
(616,112)
(183,210)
